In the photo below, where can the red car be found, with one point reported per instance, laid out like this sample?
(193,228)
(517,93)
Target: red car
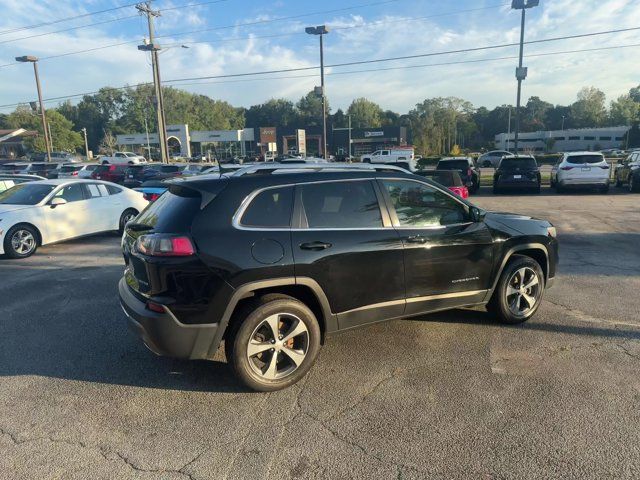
(109,173)
(447,178)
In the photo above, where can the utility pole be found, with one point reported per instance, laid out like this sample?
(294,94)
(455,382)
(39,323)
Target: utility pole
(509,130)
(145,9)
(50,136)
(521,72)
(86,143)
(45,130)
(321,31)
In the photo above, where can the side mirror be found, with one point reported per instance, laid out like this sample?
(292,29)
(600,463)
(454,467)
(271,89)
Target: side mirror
(477,214)
(57,201)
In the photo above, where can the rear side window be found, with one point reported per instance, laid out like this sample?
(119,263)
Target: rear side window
(582,159)
(270,209)
(341,205)
(113,190)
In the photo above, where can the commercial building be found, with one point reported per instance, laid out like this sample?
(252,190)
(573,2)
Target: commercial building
(367,140)
(12,142)
(185,143)
(571,140)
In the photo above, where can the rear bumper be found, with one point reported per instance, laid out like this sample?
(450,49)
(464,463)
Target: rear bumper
(163,334)
(517,184)
(583,182)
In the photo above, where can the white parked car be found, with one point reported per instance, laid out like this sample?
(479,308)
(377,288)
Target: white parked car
(86,170)
(492,159)
(123,158)
(48,211)
(581,169)
(403,155)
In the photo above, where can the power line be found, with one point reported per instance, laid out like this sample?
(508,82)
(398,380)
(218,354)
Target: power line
(69,29)
(84,15)
(177,82)
(66,19)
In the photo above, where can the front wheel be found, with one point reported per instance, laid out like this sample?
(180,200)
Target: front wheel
(273,343)
(21,241)
(519,291)
(618,182)
(633,184)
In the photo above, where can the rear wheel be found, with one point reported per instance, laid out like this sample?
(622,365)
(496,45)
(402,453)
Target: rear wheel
(519,291)
(21,241)
(633,184)
(496,189)
(618,182)
(273,343)
(125,218)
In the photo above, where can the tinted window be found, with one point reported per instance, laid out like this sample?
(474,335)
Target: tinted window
(69,169)
(341,205)
(581,159)
(71,193)
(453,165)
(25,194)
(271,208)
(419,205)
(526,163)
(90,168)
(113,190)
(172,212)
(170,168)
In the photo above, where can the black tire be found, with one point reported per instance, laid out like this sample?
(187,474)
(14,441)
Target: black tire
(559,188)
(538,189)
(366,160)
(604,189)
(250,322)
(499,304)
(104,162)
(496,189)
(126,217)
(633,184)
(28,238)
(618,182)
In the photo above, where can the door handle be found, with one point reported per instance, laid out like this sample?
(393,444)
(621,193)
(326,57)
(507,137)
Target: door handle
(416,239)
(315,246)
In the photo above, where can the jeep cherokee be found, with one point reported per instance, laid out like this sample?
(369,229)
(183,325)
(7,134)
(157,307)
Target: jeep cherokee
(271,259)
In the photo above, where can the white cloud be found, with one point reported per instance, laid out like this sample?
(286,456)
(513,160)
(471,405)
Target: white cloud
(554,78)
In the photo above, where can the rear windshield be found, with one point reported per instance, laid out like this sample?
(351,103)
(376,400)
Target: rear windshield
(453,165)
(68,169)
(582,159)
(172,213)
(527,163)
(102,168)
(445,178)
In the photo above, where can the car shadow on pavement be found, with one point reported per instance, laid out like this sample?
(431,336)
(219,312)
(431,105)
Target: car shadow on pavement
(74,328)
(482,317)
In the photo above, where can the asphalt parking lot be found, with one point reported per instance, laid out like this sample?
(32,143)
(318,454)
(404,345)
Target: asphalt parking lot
(449,395)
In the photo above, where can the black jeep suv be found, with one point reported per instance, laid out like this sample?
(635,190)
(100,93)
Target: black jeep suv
(272,259)
(517,172)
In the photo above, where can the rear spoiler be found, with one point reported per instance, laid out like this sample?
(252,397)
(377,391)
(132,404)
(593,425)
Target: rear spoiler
(207,189)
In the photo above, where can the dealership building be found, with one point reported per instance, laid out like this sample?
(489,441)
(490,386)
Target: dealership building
(223,144)
(577,139)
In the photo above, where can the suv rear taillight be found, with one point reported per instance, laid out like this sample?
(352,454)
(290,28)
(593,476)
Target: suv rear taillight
(566,168)
(163,245)
(151,197)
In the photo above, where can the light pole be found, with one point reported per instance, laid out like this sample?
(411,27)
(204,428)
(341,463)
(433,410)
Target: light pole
(47,140)
(86,143)
(563,123)
(321,30)
(521,72)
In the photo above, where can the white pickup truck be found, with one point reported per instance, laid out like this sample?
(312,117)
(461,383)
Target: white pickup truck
(123,158)
(403,156)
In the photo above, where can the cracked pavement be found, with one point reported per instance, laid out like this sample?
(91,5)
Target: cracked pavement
(448,395)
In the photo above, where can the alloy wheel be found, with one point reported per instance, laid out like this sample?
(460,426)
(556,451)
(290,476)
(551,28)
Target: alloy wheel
(127,218)
(523,291)
(278,346)
(23,242)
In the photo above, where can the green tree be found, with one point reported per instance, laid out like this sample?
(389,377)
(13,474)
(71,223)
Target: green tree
(624,110)
(634,93)
(589,110)
(63,137)
(276,112)
(310,109)
(365,113)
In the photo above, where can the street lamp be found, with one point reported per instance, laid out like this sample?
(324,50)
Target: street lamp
(563,123)
(521,72)
(321,31)
(47,140)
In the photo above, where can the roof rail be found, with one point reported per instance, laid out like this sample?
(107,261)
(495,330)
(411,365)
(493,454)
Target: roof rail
(269,168)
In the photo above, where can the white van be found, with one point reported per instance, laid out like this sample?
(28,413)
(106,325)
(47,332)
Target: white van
(395,155)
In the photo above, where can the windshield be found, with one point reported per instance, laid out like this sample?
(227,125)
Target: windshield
(525,163)
(68,169)
(581,159)
(25,194)
(453,165)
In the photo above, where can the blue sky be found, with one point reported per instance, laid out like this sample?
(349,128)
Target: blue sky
(220,44)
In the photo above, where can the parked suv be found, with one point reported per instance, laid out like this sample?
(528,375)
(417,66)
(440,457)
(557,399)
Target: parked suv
(469,172)
(629,172)
(273,263)
(109,173)
(517,172)
(581,169)
(136,175)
